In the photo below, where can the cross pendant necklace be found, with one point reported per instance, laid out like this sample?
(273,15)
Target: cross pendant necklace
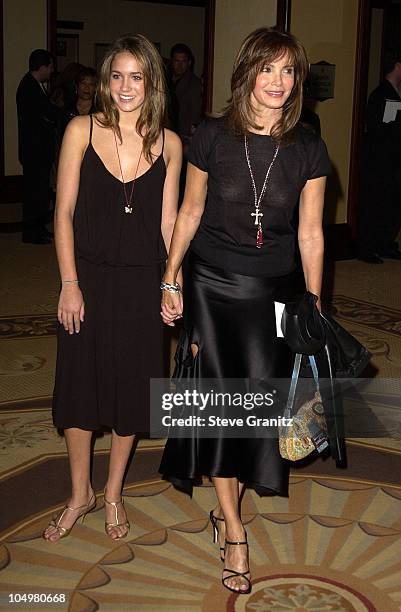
(257,214)
(257,200)
(129,204)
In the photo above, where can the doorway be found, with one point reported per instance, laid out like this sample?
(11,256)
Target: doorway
(205,15)
(379,29)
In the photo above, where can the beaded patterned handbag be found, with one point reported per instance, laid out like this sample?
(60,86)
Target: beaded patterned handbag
(306,430)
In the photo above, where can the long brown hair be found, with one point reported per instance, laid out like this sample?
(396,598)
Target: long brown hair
(151,117)
(262,46)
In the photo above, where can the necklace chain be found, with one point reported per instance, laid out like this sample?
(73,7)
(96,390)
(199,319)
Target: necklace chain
(262,193)
(257,200)
(128,202)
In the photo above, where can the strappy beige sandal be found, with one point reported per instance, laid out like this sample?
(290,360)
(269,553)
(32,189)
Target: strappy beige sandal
(109,526)
(65,531)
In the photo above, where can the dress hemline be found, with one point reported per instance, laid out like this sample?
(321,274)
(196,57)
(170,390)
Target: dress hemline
(186,485)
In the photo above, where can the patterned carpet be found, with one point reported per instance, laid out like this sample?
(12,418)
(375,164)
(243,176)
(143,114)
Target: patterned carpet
(335,544)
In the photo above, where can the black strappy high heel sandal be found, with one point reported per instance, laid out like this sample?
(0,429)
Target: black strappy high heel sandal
(234,573)
(213,519)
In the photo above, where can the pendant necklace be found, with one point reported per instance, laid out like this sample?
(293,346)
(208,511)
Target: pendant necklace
(257,200)
(129,204)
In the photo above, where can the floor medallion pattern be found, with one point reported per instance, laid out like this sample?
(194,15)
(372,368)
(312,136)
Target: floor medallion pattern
(334,544)
(300,592)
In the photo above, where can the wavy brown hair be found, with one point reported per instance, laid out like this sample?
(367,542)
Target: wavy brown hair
(259,48)
(151,117)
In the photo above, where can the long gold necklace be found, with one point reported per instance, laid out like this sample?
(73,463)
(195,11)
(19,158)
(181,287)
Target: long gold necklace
(129,204)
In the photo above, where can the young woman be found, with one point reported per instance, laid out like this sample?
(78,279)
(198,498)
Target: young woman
(116,208)
(254,164)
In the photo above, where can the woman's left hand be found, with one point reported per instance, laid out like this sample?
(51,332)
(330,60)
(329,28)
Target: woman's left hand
(171,307)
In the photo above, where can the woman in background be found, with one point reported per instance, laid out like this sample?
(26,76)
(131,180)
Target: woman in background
(81,102)
(85,82)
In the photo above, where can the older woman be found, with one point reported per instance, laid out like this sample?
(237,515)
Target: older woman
(248,171)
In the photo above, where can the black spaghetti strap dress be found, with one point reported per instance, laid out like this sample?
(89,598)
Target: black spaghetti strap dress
(229,294)
(102,373)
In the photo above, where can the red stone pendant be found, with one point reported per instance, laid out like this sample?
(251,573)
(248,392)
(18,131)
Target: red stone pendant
(259,237)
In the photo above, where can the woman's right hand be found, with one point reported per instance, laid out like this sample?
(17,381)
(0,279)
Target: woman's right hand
(71,308)
(172,307)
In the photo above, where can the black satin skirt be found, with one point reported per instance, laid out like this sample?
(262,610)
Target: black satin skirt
(231,319)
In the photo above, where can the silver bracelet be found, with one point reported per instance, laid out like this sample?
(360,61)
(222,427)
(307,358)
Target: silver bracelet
(172,288)
(74,280)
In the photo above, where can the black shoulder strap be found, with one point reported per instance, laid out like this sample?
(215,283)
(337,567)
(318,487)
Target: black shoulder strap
(163,141)
(91,129)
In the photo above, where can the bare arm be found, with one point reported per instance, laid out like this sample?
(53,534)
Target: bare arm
(310,234)
(71,305)
(173,155)
(185,229)
(188,219)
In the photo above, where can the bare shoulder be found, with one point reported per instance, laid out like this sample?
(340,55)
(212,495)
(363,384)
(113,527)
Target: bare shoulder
(77,130)
(99,119)
(172,144)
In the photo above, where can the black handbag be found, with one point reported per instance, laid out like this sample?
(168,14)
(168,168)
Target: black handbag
(338,355)
(302,325)
(309,332)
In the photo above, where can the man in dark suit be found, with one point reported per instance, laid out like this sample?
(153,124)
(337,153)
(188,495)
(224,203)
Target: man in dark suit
(380,209)
(186,90)
(36,124)
(185,100)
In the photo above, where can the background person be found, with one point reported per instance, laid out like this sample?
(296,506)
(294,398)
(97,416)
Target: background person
(380,209)
(256,159)
(36,145)
(85,88)
(82,102)
(63,88)
(186,92)
(116,207)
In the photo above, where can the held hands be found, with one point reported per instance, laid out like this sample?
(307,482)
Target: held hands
(71,308)
(171,307)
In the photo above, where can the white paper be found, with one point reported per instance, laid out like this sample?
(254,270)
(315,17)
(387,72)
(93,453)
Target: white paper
(390,110)
(279,309)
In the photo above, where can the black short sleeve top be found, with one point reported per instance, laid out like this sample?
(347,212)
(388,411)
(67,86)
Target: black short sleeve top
(226,236)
